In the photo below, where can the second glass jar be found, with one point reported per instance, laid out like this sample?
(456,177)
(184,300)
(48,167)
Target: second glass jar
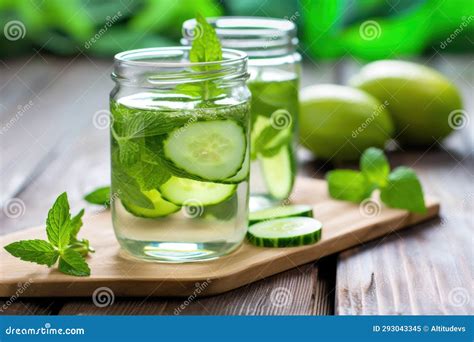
(274,67)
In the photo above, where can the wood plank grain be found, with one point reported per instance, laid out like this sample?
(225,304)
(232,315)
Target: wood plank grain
(64,95)
(428,270)
(61,97)
(295,292)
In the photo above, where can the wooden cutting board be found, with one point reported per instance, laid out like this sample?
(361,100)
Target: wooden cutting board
(344,225)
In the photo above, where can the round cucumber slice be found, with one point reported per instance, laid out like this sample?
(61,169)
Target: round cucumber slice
(162,207)
(243,173)
(278,172)
(212,150)
(285,232)
(184,191)
(281,212)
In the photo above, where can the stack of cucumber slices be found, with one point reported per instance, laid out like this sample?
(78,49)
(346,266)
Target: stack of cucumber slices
(284,226)
(204,162)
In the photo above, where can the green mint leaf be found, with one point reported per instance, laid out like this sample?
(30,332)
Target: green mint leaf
(206,46)
(58,218)
(75,225)
(38,251)
(128,152)
(128,188)
(100,196)
(374,165)
(348,185)
(149,176)
(73,263)
(149,123)
(83,247)
(404,191)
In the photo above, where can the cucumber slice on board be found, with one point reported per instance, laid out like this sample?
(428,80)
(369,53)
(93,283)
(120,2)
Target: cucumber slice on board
(184,191)
(279,173)
(285,232)
(284,211)
(162,206)
(212,150)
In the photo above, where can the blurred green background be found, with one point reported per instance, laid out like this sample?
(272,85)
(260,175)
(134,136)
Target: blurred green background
(369,29)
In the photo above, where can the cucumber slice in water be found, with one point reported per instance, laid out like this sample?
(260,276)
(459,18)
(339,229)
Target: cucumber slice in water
(162,207)
(184,191)
(283,211)
(285,232)
(243,173)
(212,150)
(279,173)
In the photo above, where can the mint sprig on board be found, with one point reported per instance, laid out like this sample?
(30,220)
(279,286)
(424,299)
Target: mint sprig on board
(399,188)
(62,244)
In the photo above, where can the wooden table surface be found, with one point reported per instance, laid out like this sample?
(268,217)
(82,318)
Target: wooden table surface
(53,139)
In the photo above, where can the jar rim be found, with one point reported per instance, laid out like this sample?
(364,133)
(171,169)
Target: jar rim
(127,58)
(237,26)
(259,37)
(170,65)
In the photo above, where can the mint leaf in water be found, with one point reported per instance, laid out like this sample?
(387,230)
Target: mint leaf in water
(374,165)
(99,196)
(62,232)
(348,185)
(206,46)
(38,251)
(398,189)
(129,189)
(403,191)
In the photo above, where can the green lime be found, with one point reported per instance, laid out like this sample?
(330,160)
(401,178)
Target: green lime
(420,99)
(339,123)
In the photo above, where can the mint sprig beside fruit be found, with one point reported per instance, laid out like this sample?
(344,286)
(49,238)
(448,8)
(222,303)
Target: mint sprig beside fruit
(62,244)
(399,188)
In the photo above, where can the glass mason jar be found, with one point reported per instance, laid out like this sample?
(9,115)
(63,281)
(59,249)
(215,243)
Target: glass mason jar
(274,67)
(180,154)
